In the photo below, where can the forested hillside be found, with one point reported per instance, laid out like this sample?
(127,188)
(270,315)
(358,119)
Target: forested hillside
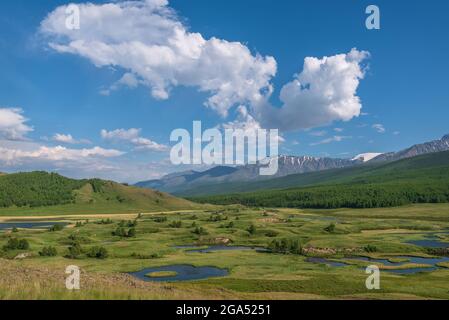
(429,166)
(37,189)
(423,179)
(55,193)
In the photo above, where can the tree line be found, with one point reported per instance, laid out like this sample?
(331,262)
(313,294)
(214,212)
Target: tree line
(339,196)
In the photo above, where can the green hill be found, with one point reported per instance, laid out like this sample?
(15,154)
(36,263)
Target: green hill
(52,193)
(415,180)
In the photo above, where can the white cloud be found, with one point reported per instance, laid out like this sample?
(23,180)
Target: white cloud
(338,129)
(13,124)
(68,139)
(127,80)
(149,41)
(325,91)
(154,48)
(379,128)
(133,136)
(245,121)
(13,156)
(330,140)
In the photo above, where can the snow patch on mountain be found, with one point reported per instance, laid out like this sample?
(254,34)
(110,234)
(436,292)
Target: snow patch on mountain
(365,157)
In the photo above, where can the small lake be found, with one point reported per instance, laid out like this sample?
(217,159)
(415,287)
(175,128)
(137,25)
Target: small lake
(431,262)
(431,241)
(199,249)
(183,273)
(30,225)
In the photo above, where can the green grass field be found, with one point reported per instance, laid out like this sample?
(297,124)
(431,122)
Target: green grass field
(252,275)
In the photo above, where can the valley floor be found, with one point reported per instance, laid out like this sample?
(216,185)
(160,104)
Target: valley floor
(388,234)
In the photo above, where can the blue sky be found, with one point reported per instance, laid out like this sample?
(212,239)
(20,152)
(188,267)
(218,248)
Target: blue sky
(403,93)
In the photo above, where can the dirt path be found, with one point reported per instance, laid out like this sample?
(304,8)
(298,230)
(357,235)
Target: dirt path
(123,216)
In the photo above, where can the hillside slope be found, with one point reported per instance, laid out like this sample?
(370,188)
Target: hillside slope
(50,192)
(399,170)
(422,179)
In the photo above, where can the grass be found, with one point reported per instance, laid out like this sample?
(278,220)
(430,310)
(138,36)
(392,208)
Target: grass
(252,275)
(161,274)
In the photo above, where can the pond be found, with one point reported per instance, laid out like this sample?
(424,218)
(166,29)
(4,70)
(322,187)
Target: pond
(431,241)
(431,262)
(199,249)
(180,273)
(30,225)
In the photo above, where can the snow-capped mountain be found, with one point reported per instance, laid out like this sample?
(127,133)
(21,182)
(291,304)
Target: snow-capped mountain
(416,150)
(221,174)
(288,165)
(365,157)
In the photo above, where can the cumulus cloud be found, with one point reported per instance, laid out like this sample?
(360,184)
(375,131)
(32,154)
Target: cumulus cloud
(133,137)
(127,80)
(152,46)
(13,156)
(149,42)
(325,91)
(379,128)
(13,124)
(246,122)
(68,139)
(330,140)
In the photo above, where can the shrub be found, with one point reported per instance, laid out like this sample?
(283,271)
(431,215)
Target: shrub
(56,227)
(48,252)
(74,251)
(123,233)
(98,253)
(272,233)
(330,228)
(175,224)
(16,244)
(285,246)
(370,248)
(119,232)
(15,230)
(131,233)
(200,231)
(252,229)
(160,219)
(105,221)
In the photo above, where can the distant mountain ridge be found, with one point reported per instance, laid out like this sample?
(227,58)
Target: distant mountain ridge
(420,179)
(416,150)
(178,182)
(193,182)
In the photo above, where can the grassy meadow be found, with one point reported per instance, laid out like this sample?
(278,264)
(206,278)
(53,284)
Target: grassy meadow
(332,234)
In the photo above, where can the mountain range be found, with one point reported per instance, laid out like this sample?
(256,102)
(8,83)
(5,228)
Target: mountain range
(222,179)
